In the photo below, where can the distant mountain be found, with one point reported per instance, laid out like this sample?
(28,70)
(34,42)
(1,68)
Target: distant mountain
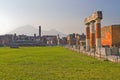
(30,30)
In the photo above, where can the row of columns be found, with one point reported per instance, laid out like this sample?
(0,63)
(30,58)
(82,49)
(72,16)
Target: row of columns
(93,35)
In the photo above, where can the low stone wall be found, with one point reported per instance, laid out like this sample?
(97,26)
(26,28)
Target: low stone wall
(111,54)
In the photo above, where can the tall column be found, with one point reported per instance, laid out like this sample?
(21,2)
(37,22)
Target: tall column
(39,32)
(98,34)
(58,40)
(87,37)
(92,35)
(77,41)
(34,36)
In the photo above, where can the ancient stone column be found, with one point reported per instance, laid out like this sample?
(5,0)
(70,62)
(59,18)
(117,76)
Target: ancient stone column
(68,40)
(98,34)
(92,35)
(58,40)
(95,35)
(34,36)
(39,32)
(87,37)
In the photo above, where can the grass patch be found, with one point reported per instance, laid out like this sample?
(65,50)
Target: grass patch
(53,63)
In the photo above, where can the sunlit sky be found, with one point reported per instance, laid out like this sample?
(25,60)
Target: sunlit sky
(66,16)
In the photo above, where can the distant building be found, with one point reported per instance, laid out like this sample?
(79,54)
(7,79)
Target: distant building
(50,40)
(63,41)
(71,39)
(14,40)
(6,40)
(74,39)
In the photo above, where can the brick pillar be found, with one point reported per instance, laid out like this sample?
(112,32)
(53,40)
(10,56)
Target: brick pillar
(87,37)
(92,35)
(98,34)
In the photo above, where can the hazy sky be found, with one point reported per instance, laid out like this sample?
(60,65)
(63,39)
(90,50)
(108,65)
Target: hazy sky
(66,16)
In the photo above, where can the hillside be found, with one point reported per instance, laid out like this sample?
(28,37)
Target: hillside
(30,30)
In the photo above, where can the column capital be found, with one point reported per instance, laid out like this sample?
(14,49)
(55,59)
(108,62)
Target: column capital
(87,25)
(98,20)
(93,21)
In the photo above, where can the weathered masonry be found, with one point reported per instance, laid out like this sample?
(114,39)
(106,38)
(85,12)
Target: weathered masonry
(93,31)
(110,36)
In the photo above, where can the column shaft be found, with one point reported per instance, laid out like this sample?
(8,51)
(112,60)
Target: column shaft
(98,34)
(92,35)
(87,37)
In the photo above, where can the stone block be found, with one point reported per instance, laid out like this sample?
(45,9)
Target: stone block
(115,51)
(108,52)
(103,51)
(82,48)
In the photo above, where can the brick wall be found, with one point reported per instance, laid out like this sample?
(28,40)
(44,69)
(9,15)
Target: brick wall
(110,35)
(106,36)
(116,35)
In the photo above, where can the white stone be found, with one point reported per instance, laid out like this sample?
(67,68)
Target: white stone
(98,42)
(92,27)
(87,44)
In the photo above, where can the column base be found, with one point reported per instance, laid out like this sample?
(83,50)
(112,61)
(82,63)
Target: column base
(92,50)
(87,49)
